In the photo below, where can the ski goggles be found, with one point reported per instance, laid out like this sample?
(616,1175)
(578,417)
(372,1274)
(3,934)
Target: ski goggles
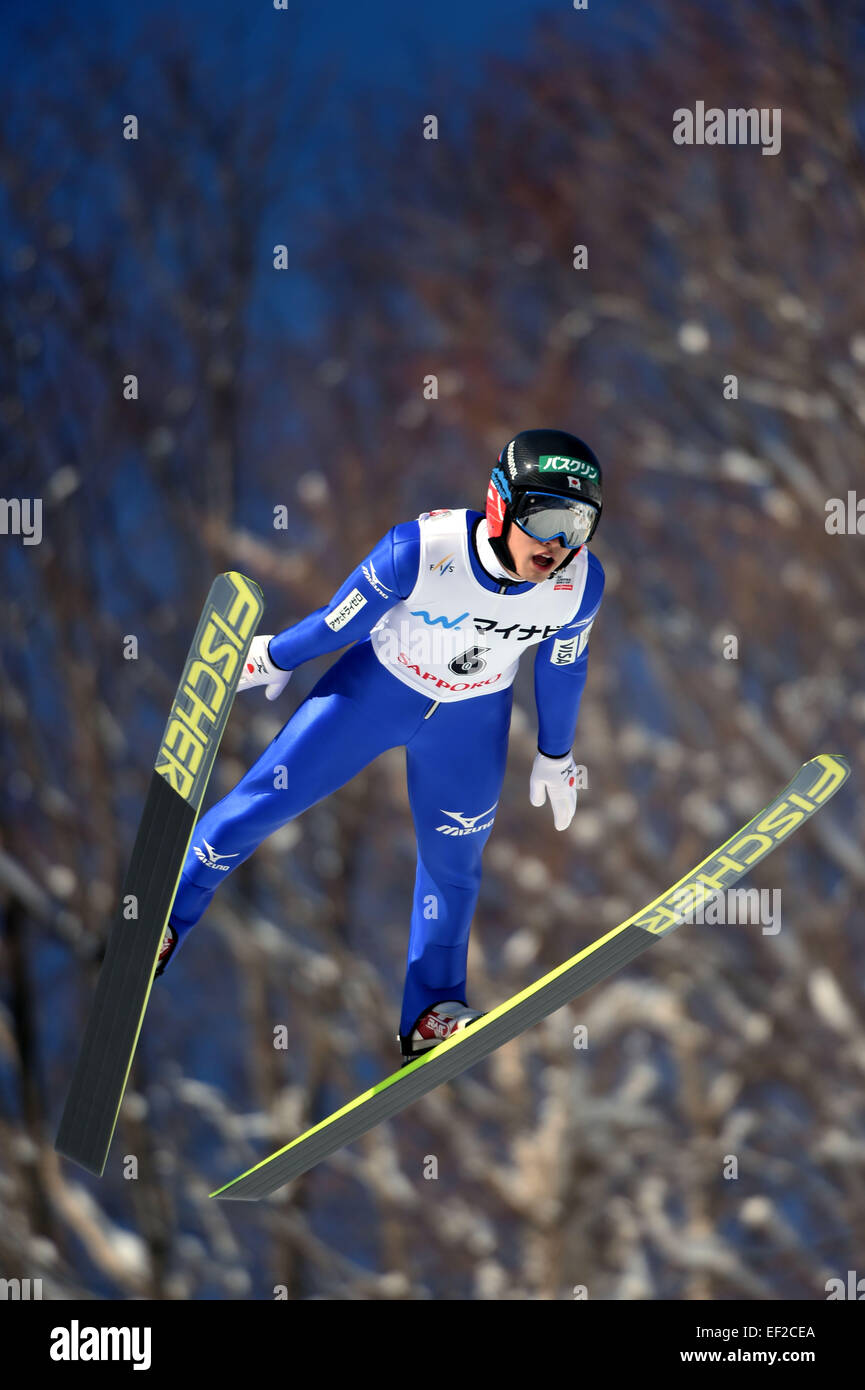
(547,517)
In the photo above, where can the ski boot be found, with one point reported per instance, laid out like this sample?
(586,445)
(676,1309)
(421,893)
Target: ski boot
(436,1024)
(166,950)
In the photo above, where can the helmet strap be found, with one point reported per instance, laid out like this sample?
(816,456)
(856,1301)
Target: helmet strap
(567,560)
(501,549)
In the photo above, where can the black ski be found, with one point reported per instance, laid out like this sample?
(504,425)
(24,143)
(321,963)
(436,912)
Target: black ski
(192,735)
(812,786)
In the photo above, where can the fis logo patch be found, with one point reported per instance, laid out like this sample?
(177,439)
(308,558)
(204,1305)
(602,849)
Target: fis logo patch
(444,566)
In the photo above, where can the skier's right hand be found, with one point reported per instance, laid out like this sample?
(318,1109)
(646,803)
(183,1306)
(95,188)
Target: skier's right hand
(259,669)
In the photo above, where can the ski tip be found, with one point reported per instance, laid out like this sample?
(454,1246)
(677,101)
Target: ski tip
(238,581)
(836,763)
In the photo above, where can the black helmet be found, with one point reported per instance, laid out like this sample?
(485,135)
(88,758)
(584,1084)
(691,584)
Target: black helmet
(535,467)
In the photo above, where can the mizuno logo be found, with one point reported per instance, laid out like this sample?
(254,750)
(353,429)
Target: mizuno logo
(468,825)
(445,622)
(209,859)
(373,580)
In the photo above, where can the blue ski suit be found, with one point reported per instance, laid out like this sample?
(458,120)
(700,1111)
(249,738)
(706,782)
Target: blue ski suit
(455,758)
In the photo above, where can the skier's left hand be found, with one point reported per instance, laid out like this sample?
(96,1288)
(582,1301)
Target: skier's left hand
(556,777)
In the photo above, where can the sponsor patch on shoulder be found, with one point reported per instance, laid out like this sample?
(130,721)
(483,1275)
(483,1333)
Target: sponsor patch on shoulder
(565,650)
(345,611)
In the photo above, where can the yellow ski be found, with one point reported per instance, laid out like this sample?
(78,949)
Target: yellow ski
(811,788)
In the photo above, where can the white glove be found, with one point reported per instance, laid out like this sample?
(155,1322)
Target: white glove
(558,778)
(259,669)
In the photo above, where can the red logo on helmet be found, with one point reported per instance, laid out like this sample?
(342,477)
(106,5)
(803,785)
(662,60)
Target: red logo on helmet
(495,510)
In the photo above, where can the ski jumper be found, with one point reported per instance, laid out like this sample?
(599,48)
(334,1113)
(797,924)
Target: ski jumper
(437,636)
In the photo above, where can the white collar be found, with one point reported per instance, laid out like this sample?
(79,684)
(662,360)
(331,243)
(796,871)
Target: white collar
(487,556)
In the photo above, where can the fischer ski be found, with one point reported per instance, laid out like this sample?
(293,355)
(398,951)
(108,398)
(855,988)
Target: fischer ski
(186,755)
(813,785)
